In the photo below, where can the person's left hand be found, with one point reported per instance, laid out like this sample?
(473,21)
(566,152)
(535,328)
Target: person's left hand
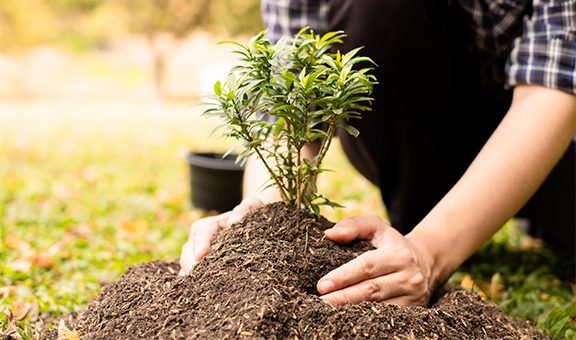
(203,230)
(397,271)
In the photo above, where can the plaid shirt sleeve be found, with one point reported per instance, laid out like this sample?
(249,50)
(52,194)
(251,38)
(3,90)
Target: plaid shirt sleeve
(545,53)
(287,17)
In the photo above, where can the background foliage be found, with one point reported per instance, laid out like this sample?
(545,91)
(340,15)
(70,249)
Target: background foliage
(84,24)
(82,199)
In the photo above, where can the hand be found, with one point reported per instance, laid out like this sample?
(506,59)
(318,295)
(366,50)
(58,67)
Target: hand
(203,230)
(397,272)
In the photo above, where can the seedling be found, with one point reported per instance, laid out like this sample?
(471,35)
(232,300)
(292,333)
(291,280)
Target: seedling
(283,96)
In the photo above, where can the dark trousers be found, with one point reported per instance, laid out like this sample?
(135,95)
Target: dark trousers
(437,102)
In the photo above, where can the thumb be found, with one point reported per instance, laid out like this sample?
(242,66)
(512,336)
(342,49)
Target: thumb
(198,244)
(187,259)
(364,227)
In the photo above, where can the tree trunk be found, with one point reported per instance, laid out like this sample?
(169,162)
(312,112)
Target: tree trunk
(162,46)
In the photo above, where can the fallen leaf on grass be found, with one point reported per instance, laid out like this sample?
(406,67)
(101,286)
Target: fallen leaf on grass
(66,334)
(528,243)
(147,248)
(544,296)
(168,197)
(188,217)
(551,282)
(14,315)
(20,312)
(34,312)
(7,291)
(21,266)
(133,226)
(62,192)
(46,259)
(16,243)
(132,230)
(469,284)
(496,286)
(81,231)
(88,174)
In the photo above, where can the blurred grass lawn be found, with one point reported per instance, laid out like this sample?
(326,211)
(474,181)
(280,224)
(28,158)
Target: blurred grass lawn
(88,189)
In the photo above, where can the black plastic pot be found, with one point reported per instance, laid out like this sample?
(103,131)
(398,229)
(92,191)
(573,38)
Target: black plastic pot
(215,182)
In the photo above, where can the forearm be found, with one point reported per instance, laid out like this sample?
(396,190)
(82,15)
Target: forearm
(514,162)
(256,177)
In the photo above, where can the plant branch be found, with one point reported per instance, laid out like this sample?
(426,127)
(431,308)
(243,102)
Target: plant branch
(299,85)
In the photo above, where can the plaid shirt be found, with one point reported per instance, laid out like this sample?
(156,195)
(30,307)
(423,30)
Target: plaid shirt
(539,36)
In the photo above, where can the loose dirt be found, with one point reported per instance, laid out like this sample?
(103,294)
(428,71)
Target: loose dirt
(258,282)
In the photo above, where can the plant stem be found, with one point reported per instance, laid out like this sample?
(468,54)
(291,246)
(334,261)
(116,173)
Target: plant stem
(275,178)
(325,144)
(299,190)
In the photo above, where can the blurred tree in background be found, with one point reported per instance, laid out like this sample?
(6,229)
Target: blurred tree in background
(82,25)
(86,24)
(26,23)
(164,23)
(235,17)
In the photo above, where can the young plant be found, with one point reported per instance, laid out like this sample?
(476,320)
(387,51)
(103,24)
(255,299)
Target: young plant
(283,96)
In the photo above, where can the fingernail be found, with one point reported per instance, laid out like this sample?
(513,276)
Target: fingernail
(182,273)
(199,254)
(325,286)
(335,227)
(326,299)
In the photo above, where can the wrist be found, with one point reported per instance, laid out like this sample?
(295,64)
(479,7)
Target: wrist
(438,265)
(264,197)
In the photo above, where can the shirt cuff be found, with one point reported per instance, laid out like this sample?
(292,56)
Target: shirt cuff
(545,54)
(548,63)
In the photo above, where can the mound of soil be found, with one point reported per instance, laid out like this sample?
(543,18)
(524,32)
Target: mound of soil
(258,281)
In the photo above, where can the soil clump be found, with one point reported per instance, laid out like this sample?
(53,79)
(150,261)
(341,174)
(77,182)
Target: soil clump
(258,282)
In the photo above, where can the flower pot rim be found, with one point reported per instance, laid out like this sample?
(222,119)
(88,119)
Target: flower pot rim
(214,160)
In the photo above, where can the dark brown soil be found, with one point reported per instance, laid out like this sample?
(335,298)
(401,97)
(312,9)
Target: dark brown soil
(258,281)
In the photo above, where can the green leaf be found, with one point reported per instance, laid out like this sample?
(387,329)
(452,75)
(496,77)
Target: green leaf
(315,209)
(302,76)
(231,82)
(351,130)
(218,88)
(559,327)
(333,37)
(311,78)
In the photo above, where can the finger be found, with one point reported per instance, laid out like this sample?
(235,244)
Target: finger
(364,227)
(203,231)
(198,244)
(187,259)
(399,288)
(408,300)
(367,266)
(247,205)
(380,289)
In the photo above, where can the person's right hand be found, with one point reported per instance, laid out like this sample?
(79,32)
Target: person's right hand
(203,230)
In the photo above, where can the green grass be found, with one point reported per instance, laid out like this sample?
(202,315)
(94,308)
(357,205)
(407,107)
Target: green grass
(89,189)
(526,280)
